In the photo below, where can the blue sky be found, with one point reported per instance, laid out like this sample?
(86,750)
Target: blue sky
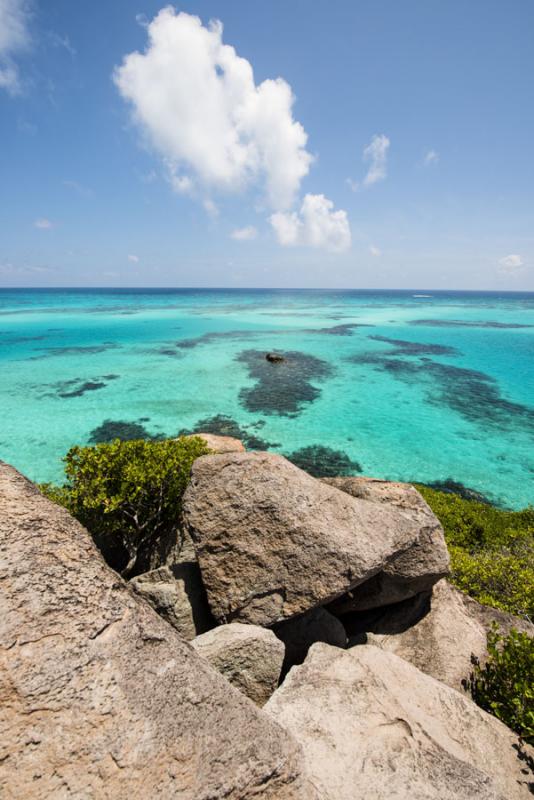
(395,151)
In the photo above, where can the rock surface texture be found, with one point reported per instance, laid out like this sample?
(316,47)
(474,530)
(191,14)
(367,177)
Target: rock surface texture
(273,542)
(249,657)
(453,627)
(299,633)
(373,726)
(99,697)
(411,571)
(221,444)
(177,594)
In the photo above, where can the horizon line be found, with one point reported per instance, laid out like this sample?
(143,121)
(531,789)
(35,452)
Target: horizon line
(262,289)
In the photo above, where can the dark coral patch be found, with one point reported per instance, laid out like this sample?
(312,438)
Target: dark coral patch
(324,462)
(472,394)
(345,329)
(282,388)
(81,350)
(119,429)
(87,386)
(222,425)
(405,348)
(461,323)
(450,486)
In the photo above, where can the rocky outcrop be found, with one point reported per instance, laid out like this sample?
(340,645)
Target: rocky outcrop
(99,697)
(273,542)
(412,571)
(221,444)
(177,594)
(248,656)
(299,633)
(275,358)
(439,634)
(373,726)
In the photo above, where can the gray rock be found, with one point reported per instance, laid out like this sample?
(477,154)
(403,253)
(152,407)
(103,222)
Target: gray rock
(273,542)
(177,594)
(99,697)
(413,571)
(450,630)
(299,633)
(248,656)
(373,726)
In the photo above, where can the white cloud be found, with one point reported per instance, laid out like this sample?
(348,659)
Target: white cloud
(62,41)
(375,251)
(430,157)
(79,188)
(316,225)
(244,234)
(197,103)
(43,224)
(134,259)
(14,38)
(376,154)
(511,262)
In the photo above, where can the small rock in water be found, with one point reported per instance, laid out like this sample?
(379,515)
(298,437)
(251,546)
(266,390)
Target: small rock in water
(275,358)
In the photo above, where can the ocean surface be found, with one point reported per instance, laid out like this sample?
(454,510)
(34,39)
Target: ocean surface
(406,385)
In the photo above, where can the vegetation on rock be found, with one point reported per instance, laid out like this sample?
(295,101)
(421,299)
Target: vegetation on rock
(504,685)
(128,494)
(492,550)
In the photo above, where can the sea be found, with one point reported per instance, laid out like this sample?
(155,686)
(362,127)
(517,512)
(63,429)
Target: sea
(421,386)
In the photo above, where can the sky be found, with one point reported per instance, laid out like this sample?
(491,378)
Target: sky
(289,143)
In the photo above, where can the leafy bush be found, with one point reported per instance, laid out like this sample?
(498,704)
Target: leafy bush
(128,494)
(492,550)
(504,686)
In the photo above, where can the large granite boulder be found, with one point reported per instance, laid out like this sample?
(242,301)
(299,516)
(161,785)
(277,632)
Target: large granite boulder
(273,542)
(410,572)
(99,697)
(299,633)
(248,656)
(373,726)
(439,633)
(221,444)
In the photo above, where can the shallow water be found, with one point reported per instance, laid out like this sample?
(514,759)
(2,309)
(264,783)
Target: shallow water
(409,386)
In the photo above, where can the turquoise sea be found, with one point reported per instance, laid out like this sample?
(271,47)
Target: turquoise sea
(409,385)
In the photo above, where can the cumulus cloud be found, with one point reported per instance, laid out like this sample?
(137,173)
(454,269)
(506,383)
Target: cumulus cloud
(511,262)
(244,234)
(315,225)
(14,38)
(43,224)
(134,259)
(197,103)
(430,157)
(375,251)
(376,154)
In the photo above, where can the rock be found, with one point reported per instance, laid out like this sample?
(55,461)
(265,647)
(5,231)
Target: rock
(248,656)
(177,594)
(221,444)
(273,542)
(299,633)
(410,572)
(438,634)
(100,697)
(373,726)
(275,358)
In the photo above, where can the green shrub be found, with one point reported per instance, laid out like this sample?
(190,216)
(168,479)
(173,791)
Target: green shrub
(504,686)
(128,494)
(492,550)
